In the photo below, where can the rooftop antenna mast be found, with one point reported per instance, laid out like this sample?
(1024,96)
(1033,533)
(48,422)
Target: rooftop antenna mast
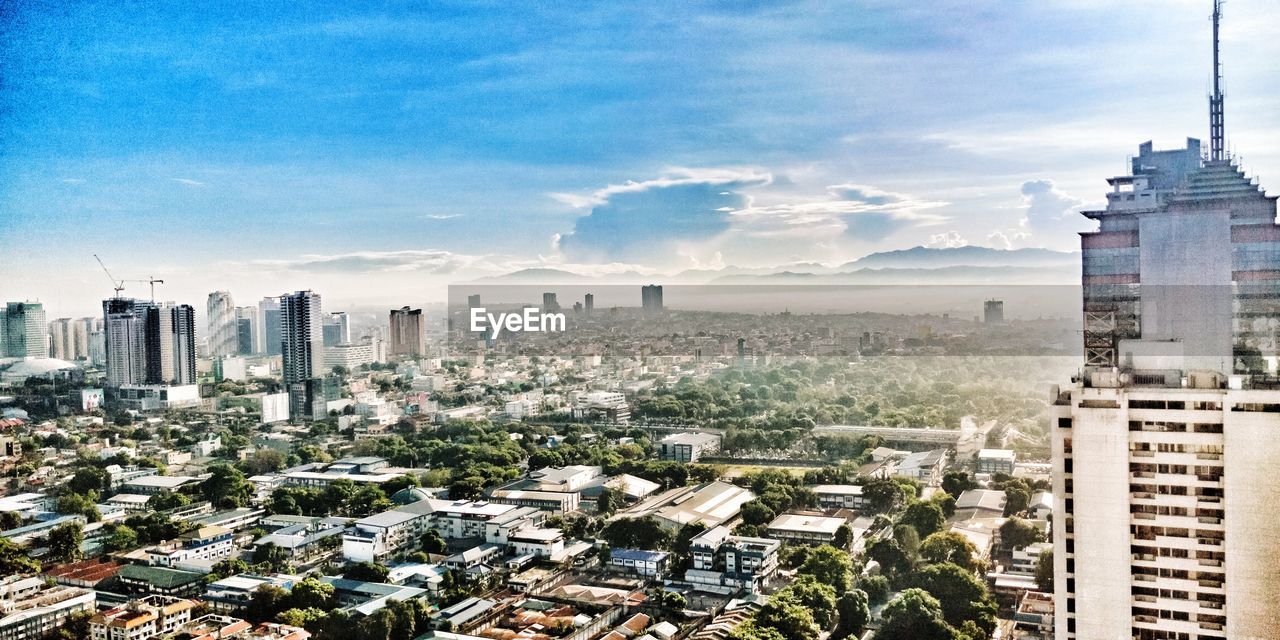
(1217,115)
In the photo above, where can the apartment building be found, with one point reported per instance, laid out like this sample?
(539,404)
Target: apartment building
(726,563)
(31,609)
(142,619)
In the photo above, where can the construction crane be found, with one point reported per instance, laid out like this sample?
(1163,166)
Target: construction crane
(152,281)
(118,285)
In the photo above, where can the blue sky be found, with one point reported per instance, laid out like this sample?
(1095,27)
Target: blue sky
(374,150)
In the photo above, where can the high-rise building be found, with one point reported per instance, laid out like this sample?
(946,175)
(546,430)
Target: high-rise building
(149,342)
(24,333)
(302,353)
(82,329)
(589,303)
(251,339)
(993,312)
(337,329)
(1163,447)
(651,298)
(125,333)
(61,344)
(549,302)
(269,317)
(473,300)
(408,332)
(222,336)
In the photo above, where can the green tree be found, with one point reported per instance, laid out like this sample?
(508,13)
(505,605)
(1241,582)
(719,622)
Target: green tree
(792,620)
(957,482)
(830,566)
(1017,498)
(949,546)
(1017,533)
(433,542)
(882,495)
(877,588)
(121,538)
(636,533)
(80,505)
(925,517)
(818,598)
(365,572)
(14,560)
(844,537)
(963,596)
(890,556)
(855,612)
(226,487)
(86,480)
(608,502)
(311,593)
(271,556)
(65,540)
(914,615)
(1044,571)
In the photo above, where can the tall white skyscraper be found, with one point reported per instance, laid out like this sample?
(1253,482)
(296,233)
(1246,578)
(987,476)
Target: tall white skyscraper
(61,344)
(24,331)
(222,337)
(302,356)
(1163,448)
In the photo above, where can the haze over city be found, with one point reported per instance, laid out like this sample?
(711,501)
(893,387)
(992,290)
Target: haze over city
(271,148)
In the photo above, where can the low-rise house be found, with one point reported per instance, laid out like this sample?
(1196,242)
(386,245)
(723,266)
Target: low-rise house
(143,579)
(979,503)
(1026,559)
(995,461)
(537,541)
(925,466)
(232,594)
(687,447)
(804,528)
(840,496)
(305,539)
(212,543)
(650,564)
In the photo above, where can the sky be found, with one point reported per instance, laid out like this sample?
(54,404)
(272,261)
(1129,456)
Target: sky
(377,151)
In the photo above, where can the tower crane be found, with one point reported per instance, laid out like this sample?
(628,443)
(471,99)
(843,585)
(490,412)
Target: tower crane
(118,285)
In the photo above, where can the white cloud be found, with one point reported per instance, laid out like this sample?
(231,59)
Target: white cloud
(947,240)
(189,182)
(442,216)
(999,240)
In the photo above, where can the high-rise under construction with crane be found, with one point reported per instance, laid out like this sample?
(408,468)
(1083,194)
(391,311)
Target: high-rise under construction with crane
(1164,445)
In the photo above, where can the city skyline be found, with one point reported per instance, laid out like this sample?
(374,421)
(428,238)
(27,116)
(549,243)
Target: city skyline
(745,155)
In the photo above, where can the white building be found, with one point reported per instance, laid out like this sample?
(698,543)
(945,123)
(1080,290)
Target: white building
(687,447)
(142,619)
(31,608)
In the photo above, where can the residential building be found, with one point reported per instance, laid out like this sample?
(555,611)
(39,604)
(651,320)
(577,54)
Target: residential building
(222,335)
(925,466)
(1164,446)
(995,461)
(408,332)
(650,564)
(603,406)
(24,331)
(142,619)
(31,608)
(206,543)
(269,319)
(804,528)
(336,329)
(840,496)
(232,594)
(144,579)
(149,343)
(651,298)
(302,354)
(352,356)
(726,563)
(687,447)
(993,312)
